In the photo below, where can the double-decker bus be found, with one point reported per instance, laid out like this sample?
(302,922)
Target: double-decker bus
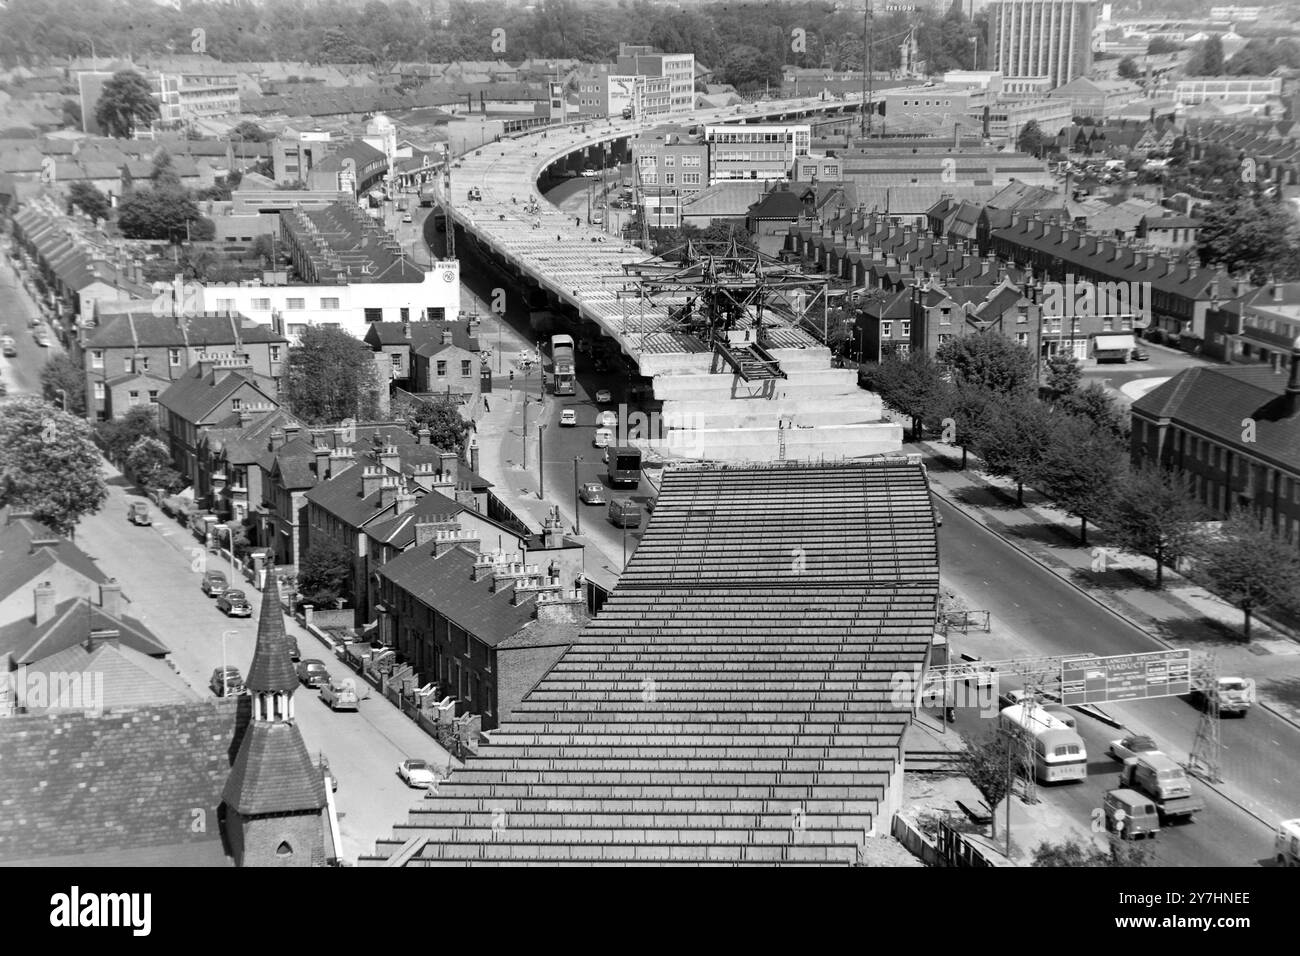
(1059,753)
(563,370)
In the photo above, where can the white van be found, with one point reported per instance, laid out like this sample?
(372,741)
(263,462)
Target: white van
(1286,846)
(604,437)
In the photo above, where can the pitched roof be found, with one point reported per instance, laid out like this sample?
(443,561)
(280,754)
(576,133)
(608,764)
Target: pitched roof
(72,623)
(132,327)
(29,548)
(195,396)
(1214,400)
(423,334)
(739,676)
(122,789)
(272,668)
(129,678)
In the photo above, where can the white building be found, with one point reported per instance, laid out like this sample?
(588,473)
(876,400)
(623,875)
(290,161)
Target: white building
(1050,38)
(759,152)
(677,68)
(1253,92)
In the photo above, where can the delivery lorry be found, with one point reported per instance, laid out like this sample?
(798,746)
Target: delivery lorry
(1157,776)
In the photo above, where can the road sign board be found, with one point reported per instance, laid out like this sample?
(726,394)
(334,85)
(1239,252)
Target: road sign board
(1100,680)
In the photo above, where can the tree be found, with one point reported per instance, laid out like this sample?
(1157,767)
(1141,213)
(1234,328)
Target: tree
(164,175)
(1246,235)
(1154,513)
(150,464)
(748,69)
(118,436)
(1211,53)
(1017,438)
(1249,566)
(971,409)
(989,360)
(72,114)
(1094,405)
(911,385)
(324,573)
(989,764)
(331,377)
(49,464)
(447,429)
(63,372)
(1160,46)
(263,249)
(1074,853)
(250,132)
(1127,69)
(1079,470)
(1063,374)
(126,102)
(84,196)
(1031,139)
(157,214)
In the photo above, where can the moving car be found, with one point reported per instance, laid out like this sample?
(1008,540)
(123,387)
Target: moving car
(214,583)
(603,438)
(234,603)
(340,695)
(1127,747)
(1234,695)
(227,683)
(1140,355)
(9,346)
(138,514)
(588,173)
(608,420)
(624,513)
(603,397)
(40,339)
(592,493)
(476,195)
(293,648)
(417,773)
(568,417)
(312,672)
(406,217)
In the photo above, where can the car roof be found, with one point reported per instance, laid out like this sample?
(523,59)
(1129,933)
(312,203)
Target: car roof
(313,660)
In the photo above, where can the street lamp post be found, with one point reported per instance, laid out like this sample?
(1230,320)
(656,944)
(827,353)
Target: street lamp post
(541,462)
(576,511)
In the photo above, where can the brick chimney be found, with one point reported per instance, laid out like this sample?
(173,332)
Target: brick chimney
(44,596)
(561,607)
(372,478)
(340,460)
(446,335)
(389,458)
(277,437)
(449,465)
(1275,289)
(424,437)
(450,538)
(427,528)
(389,486)
(291,432)
(322,456)
(405,501)
(110,598)
(533,586)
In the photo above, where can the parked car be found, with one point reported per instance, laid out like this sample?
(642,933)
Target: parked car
(234,603)
(588,173)
(417,773)
(340,695)
(1127,747)
(1140,355)
(603,397)
(227,682)
(293,647)
(568,417)
(608,420)
(592,493)
(138,513)
(475,195)
(406,217)
(40,339)
(214,583)
(312,672)
(624,513)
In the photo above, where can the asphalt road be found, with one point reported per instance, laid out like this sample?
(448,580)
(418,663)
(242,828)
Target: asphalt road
(159,568)
(21,374)
(1258,752)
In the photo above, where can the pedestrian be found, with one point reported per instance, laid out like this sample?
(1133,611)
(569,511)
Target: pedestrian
(577,220)
(486,406)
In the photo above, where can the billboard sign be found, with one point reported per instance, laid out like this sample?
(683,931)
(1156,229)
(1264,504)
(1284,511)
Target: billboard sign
(1100,680)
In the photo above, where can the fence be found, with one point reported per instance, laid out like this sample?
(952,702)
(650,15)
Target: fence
(963,621)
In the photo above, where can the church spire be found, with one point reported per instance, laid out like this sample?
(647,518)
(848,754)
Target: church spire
(272,669)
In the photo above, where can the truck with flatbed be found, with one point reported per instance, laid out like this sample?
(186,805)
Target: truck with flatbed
(1159,777)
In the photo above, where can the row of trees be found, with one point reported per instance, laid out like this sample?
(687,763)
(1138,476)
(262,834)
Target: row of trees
(1070,445)
(1259,57)
(746,44)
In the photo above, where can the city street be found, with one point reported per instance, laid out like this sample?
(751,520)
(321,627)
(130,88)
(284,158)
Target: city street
(22,373)
(159,568)
(1128,381)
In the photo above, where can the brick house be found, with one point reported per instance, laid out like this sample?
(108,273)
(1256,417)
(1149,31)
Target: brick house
(36,555)
(1193,423)
(1255,325)
(414,350)
(230,457)
(939,313)
(131,357)
(210,395)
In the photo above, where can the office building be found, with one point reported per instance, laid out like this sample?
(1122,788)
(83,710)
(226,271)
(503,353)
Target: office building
(1051,38)
(755,151)
(677,68)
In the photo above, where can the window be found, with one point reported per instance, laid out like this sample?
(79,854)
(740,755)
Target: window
(275,353)
(96,358)
(944,338)
(405,313)
(669,160)
(691,161)
(297,329)
(690,179)
(153,396)
(135,398)
(396,359)
(886,330)
(945,316)
(670,179)
(442,368)
(173,357)
(261,305)
(1022,338)
(464,368)
(906,328)
(235,403)
(649,179)
(99,391)
(435,314)
(126,363)
(145,360)
(330,303)
(225,305)
(372,315)
(295,305)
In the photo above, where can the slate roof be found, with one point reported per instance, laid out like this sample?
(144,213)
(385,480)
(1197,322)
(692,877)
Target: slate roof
(272,668)
(399,532)
(273,773)
(141,328)
(195,396)
(738,678)
(130,679)
(423,332)
(72,624)
(1214,400)
(20,563)
(121,789)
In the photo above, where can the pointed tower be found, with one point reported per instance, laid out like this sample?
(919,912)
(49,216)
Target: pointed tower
(275,796)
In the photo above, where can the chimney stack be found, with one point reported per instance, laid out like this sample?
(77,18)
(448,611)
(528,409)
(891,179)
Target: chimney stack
(372,478)
(389,458)
(425,437)
(1275,290)
(340,460)
(449,465)
(291,433)
(322,455)
(561,607)
(277,436)
(446,335)
(110,598)
(44,602)
(405,501)
(389,486)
